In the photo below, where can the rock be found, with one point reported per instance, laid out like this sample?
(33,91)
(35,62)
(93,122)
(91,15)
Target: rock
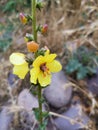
(76,114)
(23,109)
(12,120)
(92,84)
(51,125)
(26,120)
(5,119)
(13,84)
(11,78)
(57,94)
(27,100)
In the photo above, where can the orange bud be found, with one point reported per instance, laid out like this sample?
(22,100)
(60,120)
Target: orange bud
(32,46)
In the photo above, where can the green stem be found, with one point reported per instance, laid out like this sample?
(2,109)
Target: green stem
(40,104)
(34,20)
(35,39)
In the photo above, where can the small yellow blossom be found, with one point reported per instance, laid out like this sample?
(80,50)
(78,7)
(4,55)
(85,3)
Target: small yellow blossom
(42,68)
(20,65)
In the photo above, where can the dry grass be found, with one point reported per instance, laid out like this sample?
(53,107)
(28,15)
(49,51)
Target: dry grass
(77,26)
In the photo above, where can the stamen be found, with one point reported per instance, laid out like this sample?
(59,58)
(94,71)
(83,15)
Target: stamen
(44,69)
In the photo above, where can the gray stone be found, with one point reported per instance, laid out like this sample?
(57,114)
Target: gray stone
(92,83)
(9,120)
(79,119)
(57,94)
(5,119)
(27,100)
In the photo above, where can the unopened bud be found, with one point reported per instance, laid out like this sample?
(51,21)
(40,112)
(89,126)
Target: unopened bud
(32,46)
(23,18)
(44,29)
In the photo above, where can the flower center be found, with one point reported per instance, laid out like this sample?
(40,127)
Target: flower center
(44,69)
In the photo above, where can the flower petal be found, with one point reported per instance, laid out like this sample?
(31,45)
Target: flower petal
(34,75)
(49,58)
(44,80)
(54,66)
(47,52)
(38,61)
(21,70)
(17,58)
(42,59)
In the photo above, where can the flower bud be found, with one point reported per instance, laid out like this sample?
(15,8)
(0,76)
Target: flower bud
(39,5)
(23,18)
(28,37)
(44,29)
(32,46)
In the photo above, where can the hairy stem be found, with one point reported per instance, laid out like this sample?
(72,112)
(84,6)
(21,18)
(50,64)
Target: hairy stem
(35,39)
(40,104)
(34,20)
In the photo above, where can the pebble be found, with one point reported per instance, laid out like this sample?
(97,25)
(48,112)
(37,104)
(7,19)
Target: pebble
(92,84)
(76,114)
(25,118)
(5,119)
(12,120)
(11,78)
(57,94)
(27,100)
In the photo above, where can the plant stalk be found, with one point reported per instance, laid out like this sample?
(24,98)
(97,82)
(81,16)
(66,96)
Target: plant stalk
(40,104)
(34,20)
(35,39)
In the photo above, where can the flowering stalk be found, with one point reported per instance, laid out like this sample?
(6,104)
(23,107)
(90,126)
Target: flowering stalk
(41,66)
(35,39)
(34,20)
(40,104)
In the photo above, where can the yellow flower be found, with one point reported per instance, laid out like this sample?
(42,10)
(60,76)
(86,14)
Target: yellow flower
(42,68)
(20,65)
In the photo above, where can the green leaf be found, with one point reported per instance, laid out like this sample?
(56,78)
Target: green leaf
(45,114)
(9,6)
(72,66)
(91,70)
(29,37)
(43,126)
(82,72)
(36,113)
(84,55)
(39,5)
(6,36)
(42,100)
